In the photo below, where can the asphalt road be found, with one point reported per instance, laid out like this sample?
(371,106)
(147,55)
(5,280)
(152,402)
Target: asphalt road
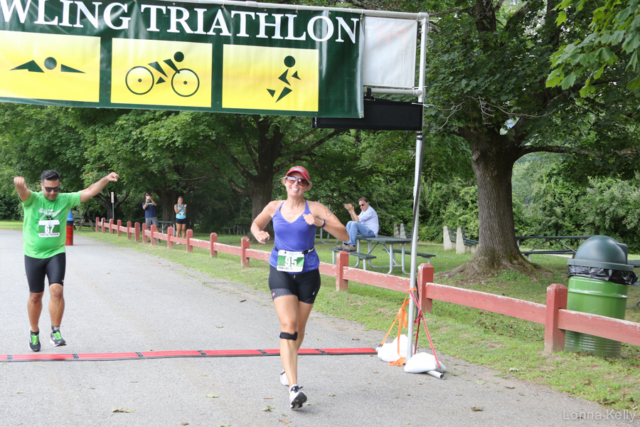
(119,300)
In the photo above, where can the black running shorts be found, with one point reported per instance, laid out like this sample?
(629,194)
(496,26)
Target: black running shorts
(181,221)
(54,268)
(303,285)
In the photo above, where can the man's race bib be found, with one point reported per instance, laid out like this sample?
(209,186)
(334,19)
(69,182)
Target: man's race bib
(49,228)
(290,261)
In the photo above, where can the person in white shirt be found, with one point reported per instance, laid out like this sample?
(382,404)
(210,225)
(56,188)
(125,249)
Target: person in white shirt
(366,224)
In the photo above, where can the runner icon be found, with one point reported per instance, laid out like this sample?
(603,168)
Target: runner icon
(289,61)
(184,82)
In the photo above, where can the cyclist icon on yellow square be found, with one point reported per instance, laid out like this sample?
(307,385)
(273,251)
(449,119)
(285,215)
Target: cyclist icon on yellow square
(55,67)
(155,72)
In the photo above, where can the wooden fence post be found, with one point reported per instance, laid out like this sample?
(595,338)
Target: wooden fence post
(103,230)
(136,229)
(111,226)
(556,301)
(154,230)
(97,223)
(213,239)
(189,237)
(144,232)
(169,236)
(118,229)
(244,245)
(342,260)
(425,275)
(129,230)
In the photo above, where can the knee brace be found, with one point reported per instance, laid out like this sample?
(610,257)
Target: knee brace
(286,336)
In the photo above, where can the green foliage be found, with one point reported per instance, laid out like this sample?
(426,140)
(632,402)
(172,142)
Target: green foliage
(557,206)
(610,48)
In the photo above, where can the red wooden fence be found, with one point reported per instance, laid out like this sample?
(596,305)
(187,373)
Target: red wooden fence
(554,315)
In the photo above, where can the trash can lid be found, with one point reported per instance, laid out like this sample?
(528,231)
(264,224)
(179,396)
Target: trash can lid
(601,252)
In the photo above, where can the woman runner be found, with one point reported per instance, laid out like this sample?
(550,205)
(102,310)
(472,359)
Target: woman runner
(294,278)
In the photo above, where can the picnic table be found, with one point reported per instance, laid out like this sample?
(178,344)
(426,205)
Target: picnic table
(321,238)
(238,227)
(81,221)
(387,243)
(548,240)
(164,224)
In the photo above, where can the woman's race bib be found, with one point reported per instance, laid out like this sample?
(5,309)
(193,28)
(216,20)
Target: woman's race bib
(292,262)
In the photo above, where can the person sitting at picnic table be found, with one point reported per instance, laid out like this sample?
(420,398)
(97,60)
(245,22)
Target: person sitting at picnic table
(366,224)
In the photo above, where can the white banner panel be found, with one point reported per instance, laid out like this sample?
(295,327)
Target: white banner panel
(390,52)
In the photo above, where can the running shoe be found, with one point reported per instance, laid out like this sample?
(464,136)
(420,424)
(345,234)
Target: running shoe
(340,247)
(349,248)
(297,397)
(34,344)
(283,378)
(56,339)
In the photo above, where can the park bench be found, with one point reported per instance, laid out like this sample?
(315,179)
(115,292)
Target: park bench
(420,254)
(359,255)
(458,241)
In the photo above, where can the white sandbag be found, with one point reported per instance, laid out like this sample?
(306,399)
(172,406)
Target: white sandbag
(389,351)
(403,345)
(422,362)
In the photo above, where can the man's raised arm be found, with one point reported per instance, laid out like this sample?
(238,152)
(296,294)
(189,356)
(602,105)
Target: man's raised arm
(95,188)
(21,188)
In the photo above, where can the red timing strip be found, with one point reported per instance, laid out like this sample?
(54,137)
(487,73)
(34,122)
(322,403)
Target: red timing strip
(174,354)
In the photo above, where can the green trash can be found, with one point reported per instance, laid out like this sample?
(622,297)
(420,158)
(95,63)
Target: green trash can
(599,276)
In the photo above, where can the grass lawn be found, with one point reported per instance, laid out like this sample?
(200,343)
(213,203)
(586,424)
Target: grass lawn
(510,346)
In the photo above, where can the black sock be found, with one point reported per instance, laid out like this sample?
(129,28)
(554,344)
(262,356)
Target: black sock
(55,328)
(35,333)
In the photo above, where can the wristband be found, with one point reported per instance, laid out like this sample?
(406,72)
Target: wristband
(323,223)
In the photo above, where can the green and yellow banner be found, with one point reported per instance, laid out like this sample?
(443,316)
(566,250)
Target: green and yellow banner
(181,56)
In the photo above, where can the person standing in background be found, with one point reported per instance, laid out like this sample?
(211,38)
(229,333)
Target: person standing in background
(150,215)
(181,218)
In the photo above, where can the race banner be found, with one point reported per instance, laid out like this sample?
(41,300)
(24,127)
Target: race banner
(181,56)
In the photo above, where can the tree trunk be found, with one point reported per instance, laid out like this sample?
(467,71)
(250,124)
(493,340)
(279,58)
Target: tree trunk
(168,198)
(261,191)
(493,160)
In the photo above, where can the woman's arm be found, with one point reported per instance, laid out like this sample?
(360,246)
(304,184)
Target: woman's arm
(262,220)
(322,215)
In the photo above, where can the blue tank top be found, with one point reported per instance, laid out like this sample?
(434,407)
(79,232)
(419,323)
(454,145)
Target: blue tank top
(181,214)
(294,236)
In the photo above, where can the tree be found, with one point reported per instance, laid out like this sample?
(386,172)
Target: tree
(488,66)
(610,52)
(253,151)
(36,138)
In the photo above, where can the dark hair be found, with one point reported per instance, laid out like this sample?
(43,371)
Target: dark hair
(363,199)
(49,175)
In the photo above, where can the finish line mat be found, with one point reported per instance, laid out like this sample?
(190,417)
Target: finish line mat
(94,357)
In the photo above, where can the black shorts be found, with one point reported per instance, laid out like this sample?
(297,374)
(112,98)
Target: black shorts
(54,268)
(181,221)
(303,285)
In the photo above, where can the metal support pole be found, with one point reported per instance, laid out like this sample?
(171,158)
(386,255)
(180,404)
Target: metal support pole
(416,191)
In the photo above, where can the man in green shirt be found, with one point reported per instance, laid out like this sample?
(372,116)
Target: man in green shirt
(44,234)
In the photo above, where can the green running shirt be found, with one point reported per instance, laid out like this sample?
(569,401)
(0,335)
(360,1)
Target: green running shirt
(44,229)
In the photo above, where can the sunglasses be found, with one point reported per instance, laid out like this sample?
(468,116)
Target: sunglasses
(362,204)
(50,189)
(300,181)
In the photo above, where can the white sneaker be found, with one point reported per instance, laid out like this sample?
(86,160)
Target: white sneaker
(297,397)
(283,378)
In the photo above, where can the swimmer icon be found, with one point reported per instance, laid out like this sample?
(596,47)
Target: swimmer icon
(141,79)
